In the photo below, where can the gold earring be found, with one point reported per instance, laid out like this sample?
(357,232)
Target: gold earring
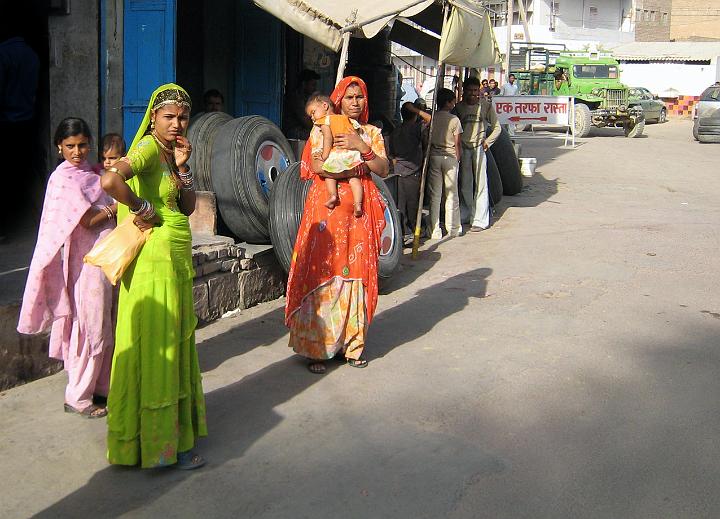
(59,150)
(152,125)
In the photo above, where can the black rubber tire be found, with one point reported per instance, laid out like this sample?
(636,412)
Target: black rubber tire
(583,120)
(508,165)
(201,134)
(287,201)
(663,116)
(495,186)
(243,174)
(635,131)
(391,240)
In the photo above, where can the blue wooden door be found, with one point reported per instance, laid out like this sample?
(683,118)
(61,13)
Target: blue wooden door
(259,63)
(148,56)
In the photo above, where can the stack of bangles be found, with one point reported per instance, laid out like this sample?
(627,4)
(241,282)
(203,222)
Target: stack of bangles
(108,212)
(186,179)
(367,157)
(146,211)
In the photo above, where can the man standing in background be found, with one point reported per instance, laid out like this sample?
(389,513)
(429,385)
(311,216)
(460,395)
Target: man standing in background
(476,116)
(510,88)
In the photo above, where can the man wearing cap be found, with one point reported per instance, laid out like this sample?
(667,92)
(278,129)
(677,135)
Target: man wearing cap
(296,123)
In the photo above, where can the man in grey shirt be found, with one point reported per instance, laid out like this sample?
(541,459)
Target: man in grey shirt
(476,116)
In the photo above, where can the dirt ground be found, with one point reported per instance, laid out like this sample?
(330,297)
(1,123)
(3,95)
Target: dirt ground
(563,364)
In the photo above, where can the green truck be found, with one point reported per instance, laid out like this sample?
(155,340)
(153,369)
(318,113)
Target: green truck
(593,79)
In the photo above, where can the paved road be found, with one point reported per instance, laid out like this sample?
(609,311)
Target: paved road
(564,364)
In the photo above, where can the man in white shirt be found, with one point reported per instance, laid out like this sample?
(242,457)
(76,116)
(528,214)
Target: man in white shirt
(510,88)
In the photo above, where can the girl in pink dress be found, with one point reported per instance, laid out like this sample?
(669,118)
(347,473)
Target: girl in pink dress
(71,298)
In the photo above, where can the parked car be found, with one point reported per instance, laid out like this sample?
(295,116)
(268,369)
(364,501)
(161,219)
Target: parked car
(706,115)
(653,108)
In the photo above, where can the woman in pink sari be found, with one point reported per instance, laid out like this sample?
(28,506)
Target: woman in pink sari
(62,293)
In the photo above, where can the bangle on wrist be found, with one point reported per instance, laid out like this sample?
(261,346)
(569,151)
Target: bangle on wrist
(367,157)
(117,172)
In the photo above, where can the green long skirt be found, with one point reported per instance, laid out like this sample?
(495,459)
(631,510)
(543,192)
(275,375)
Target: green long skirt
(156,406)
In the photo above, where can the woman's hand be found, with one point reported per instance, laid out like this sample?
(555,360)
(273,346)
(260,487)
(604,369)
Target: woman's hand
(144,225)
(351,141)
(183,149)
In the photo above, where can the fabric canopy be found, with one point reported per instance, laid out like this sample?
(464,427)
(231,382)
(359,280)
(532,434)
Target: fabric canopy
(322,20)
(467,40)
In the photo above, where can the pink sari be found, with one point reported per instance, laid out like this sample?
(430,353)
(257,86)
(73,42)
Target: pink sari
(72,298)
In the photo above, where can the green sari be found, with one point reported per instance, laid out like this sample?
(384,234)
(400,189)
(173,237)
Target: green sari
(156,406)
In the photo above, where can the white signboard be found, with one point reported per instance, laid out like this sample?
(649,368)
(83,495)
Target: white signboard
(533,109)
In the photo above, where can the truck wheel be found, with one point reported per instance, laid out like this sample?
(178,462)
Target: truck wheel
(636,130)
(583,120)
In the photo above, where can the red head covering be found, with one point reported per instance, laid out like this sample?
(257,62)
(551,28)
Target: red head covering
(339,93)
(336,98)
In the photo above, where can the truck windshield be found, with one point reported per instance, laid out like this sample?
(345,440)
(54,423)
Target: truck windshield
(595,71)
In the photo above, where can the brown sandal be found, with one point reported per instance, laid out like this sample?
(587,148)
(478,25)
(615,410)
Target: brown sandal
(91,411)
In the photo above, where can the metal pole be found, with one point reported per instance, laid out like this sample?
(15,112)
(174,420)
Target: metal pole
(426,159)
(343,57)
(510,11)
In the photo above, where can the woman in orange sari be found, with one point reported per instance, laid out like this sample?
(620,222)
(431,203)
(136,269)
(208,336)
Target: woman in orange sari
(333,283)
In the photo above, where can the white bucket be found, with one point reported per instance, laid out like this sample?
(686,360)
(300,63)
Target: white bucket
(527,166)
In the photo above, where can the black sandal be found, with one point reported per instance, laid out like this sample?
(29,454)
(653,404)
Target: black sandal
(317,367)
(357,363)
(189,460)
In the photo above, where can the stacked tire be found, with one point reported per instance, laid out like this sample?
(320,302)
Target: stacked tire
(249,155)
(287,201)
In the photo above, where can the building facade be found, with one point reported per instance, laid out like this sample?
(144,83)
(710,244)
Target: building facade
(653,20)
(695,20)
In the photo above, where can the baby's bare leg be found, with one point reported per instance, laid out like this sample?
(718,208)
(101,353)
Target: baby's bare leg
(331,186)
(327,140)
(357,190)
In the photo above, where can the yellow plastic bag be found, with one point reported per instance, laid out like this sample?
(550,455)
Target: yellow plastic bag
(116,251)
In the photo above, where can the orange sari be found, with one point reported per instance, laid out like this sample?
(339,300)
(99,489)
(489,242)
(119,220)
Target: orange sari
(333,282)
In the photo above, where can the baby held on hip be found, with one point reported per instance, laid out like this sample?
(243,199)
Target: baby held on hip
(338,163)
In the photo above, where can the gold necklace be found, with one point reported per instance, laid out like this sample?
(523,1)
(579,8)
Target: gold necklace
(164,148)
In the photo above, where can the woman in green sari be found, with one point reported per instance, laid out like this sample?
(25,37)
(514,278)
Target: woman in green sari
(156,407)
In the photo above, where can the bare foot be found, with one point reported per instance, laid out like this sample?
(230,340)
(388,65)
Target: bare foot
(332,202)
(358,211)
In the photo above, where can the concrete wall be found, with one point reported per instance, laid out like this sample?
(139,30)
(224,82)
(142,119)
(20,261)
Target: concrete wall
(695,20)
(111,67)
(687,79)
(74,70)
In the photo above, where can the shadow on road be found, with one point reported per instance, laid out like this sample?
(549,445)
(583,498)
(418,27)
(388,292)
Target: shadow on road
(243,412)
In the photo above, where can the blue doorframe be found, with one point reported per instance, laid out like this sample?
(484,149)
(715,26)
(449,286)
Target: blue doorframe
(259,63)
(148,56)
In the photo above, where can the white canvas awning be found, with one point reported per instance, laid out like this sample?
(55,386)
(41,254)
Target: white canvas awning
(467,37)
(323,20)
